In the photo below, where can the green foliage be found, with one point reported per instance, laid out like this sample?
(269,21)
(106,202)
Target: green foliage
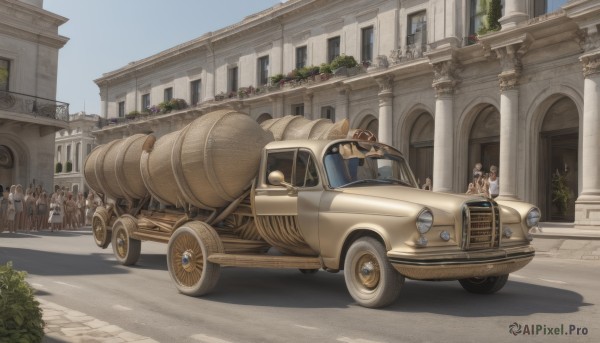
(275,79)
(132,114)
(343,61)
(493,13)
(69,166)
(20,314)
(561,194)
(173,104)
(325,68)
(58,168)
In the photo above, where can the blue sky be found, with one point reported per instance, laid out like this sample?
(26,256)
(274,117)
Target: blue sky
(107,34)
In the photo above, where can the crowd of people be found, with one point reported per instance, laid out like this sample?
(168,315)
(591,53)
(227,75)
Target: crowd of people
(486,184)
(33,209)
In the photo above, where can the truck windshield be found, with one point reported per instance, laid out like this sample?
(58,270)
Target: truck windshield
(350,164)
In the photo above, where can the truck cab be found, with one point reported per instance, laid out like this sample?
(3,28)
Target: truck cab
(357,207)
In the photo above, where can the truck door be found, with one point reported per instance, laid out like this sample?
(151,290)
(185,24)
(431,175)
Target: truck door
(277,207)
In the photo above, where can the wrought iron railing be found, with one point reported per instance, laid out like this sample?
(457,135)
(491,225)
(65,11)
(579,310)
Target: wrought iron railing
(34,106)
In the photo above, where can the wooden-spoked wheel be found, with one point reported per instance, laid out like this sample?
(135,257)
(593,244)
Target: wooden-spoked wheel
(370,278)
(187,258)
(126,249)
(102,235)
(484,285)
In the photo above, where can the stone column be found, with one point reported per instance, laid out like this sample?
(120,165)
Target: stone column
(308,105)
(515,12)
(386,99)
(510,59)
(277,106)
(443,137)
(343,102)
(587,206)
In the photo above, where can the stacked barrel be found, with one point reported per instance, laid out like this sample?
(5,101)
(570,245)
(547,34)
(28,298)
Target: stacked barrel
(207,164)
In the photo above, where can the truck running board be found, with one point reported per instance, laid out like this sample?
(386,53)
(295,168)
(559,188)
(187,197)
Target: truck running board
(265,261)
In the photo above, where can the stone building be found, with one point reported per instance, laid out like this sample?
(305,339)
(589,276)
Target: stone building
(29,113)
(525,98)
(72,146)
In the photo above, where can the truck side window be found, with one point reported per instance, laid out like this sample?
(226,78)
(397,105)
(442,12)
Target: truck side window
(282,161)
(306,171)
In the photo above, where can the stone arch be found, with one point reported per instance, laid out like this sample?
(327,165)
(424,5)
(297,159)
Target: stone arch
(367,120)
(416,140)
(463,127)
(263,116)
(533,125)
(19,173)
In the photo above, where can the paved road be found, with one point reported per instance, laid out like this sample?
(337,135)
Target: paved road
(258,305)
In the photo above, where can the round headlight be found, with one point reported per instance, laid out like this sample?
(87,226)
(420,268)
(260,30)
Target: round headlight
(533,217)
(424,221)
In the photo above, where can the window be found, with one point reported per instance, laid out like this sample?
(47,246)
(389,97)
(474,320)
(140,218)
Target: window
(195,92)
(541,7)
(301,53)
(145,101)
(121,109)
(366,50)
(417,29)
(333,48)
(4,74)
(232,79)
(478,15)
(168,94)
(77,150)
(68,152)
(328,112)
(263,70)
(298,109)
(303,171)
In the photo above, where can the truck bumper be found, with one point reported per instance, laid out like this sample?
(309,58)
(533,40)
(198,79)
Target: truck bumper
(462,264)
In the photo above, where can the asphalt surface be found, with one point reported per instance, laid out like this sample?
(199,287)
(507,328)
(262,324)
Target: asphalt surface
(85,291)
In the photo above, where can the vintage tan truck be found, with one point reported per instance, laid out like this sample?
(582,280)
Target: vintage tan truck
(225,191)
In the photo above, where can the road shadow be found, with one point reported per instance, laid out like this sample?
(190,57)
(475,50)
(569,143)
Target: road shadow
(152,262)
(45,263)
(290,288)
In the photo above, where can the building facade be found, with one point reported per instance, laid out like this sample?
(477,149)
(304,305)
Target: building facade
(29,113)
(525,98)
(72,146)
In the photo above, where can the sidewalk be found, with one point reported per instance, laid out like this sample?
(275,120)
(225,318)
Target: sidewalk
(65,325)
(562,240)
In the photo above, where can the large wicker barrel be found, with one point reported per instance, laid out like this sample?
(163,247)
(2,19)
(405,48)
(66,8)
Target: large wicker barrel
(208,164)
(114,168)
(298,127)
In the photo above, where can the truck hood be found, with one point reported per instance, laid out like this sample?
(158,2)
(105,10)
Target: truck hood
(449,203)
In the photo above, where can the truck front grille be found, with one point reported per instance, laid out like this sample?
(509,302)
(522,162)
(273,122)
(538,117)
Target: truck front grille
(481,226)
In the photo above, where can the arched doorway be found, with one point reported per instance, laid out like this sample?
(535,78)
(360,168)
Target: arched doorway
(370,123)
(7,164)
(559,141)
(421,147)
(264,116)
(484,140)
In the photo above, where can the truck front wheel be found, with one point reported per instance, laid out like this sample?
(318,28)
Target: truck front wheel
(370,277)
(102,235)
(187,258)
(484,285)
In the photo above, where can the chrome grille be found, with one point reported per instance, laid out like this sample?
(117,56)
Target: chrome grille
(481,226)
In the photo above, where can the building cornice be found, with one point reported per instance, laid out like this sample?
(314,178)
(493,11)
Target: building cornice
(206,41)
(31,23)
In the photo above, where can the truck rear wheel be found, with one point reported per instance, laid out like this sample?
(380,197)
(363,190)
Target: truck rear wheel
(370,278)
(187,258)
(127,250)
(102,235)
(484,285)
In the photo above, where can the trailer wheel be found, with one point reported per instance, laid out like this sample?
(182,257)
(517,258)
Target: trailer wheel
(126,249)
(484,285)
(102,235)
(187,258)
(370,277)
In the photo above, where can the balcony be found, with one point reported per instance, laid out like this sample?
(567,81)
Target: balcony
(34,106)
